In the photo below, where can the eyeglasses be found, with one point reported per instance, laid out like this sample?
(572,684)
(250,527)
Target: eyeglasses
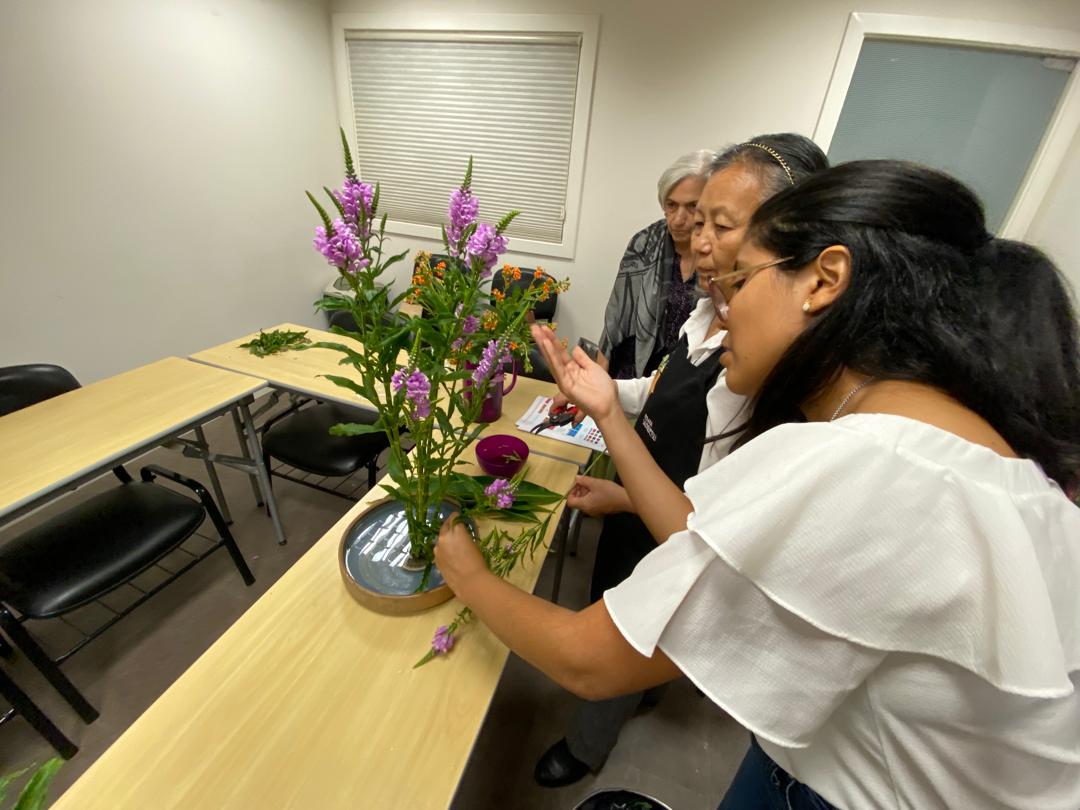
(720,301)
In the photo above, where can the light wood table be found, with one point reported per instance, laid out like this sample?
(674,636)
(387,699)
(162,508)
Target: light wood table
(65,441)
(310,701)
(299,372)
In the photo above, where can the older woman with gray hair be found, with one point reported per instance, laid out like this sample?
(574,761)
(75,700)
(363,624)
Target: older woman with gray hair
(655,289)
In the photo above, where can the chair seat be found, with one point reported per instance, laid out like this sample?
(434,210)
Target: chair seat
(84,553)
(303,441)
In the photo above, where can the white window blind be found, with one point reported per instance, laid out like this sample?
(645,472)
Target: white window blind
(424,101)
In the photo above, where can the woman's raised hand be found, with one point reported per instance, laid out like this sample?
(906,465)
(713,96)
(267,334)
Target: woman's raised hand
(581,380)
(597,497)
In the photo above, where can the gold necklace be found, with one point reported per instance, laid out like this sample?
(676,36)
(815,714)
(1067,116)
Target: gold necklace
(851,393)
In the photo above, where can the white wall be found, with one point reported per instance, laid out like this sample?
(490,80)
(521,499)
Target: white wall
(1056,229)
(153,158)
(153,153)
(682,74)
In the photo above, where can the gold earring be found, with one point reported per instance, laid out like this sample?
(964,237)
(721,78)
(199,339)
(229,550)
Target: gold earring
(806,305)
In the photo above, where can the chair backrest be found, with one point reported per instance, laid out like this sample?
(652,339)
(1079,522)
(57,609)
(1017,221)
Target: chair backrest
(544,310)
(22,386)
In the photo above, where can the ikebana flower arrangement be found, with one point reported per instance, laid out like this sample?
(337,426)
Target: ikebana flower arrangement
(428,374)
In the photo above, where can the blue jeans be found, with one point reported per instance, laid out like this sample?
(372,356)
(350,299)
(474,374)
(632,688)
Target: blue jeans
(761,784)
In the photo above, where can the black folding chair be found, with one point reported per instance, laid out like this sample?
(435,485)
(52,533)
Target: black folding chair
(97,546)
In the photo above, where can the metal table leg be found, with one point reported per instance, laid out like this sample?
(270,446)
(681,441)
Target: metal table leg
(560,555)
(259,471)
(246,454)
(211,472)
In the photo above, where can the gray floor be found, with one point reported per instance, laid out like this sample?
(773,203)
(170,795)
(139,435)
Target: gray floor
(684,751)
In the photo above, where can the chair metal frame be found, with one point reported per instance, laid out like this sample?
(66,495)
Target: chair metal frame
(12,624)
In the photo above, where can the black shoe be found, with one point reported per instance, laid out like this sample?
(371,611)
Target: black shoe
(558,767)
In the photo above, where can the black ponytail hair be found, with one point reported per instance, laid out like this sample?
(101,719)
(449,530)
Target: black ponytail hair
(931,298)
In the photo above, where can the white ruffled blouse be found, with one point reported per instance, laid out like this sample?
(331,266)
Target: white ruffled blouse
(892,610)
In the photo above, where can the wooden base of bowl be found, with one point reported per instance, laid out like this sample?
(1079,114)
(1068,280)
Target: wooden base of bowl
(371,559)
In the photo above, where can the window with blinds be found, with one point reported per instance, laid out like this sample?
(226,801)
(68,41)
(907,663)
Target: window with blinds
(424,101)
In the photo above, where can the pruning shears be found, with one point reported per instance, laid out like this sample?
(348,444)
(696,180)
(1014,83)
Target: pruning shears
(557,417)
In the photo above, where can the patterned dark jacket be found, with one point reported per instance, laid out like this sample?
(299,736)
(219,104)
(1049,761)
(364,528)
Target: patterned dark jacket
(636,306)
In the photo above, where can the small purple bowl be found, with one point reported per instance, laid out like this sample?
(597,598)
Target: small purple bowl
(501,455)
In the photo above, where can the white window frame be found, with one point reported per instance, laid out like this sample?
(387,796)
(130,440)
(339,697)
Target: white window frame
(1060,131)
(586,25)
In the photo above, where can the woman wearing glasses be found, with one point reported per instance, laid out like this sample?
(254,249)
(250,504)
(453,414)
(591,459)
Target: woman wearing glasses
(884,594)
(676,408)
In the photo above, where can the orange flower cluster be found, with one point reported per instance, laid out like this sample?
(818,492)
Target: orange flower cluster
(498,295)
(489,321)
(511,273)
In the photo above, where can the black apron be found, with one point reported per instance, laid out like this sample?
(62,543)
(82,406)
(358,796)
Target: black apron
(672,426)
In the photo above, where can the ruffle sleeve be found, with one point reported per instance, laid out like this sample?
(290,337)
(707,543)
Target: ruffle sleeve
(817,549)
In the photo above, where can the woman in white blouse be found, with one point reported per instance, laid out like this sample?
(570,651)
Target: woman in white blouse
(884,594)
(675,409)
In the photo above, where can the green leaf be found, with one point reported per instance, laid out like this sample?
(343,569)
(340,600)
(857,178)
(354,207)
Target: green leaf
(356,429)
(350,171)
(322,213)
(345,382)
(353,355)
(444,422)
(331,303)
(395,259)
(34,793)
(8,779)
(375,199)
(274,341)
(337,203)
(430,655)
(396,468)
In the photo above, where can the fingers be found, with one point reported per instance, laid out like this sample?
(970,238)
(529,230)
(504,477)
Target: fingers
(554,353)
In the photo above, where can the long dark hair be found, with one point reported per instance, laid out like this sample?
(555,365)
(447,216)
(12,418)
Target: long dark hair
(799,155)
(933,298)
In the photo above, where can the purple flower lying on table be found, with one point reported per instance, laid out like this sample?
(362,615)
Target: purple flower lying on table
(485,244)
(503,493)
(443,641)
(417,390)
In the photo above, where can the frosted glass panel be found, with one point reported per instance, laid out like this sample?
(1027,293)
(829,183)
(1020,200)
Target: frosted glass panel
(978,114)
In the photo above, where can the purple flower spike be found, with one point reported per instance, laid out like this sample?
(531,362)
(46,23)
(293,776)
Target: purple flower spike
(463,210)
(341,248)
(443,641)
(469,325)
(417,390)
(491,362)
(485,245)
(355,197)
